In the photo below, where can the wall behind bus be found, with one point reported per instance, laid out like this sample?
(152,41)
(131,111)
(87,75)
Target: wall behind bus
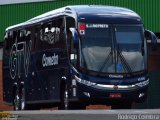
(16,13)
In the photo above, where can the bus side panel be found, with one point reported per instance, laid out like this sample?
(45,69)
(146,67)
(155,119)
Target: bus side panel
(43,86)
(47,69)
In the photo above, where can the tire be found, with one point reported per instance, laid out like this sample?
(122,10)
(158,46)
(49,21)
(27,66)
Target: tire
(64,99)
(22,105)
(66,104)
(16,101)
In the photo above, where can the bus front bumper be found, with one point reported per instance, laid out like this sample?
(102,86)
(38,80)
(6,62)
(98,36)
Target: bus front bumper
(104,93)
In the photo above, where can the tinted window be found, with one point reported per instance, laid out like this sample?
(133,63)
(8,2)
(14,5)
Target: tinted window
(50,35)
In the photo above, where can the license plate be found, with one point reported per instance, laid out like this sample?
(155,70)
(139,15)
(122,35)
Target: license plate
(115,95)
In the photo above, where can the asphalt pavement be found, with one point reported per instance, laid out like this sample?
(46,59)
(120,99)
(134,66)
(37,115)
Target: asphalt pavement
(145,114)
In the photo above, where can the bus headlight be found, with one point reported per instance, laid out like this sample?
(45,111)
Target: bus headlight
(141,95)
(85,82)
(144,83)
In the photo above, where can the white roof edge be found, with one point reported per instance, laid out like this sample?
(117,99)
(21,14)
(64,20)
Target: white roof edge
(54,12)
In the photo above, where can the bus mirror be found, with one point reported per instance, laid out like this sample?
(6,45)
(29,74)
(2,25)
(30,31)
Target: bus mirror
(150,36)
(74,37)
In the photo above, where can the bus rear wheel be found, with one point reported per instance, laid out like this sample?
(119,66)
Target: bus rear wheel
(23,105)
(16,101)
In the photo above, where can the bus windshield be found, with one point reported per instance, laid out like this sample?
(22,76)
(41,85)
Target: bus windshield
(112,49)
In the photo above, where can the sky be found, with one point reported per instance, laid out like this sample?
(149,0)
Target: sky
(3,2)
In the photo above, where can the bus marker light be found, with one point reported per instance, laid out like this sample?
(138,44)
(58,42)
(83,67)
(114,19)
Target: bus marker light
(82,28)
(141,95)
(87,94)
(73,82)
(74,92)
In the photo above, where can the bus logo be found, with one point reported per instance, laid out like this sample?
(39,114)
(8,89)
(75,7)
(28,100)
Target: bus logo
(50,60)
(19,58)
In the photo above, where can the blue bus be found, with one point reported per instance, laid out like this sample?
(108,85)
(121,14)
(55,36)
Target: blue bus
(77,55)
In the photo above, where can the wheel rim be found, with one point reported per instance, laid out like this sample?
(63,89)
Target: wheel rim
(66,102)
(22,105)
(22,100)
(16,102)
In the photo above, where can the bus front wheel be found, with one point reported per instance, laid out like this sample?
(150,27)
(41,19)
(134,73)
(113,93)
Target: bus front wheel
(64,98)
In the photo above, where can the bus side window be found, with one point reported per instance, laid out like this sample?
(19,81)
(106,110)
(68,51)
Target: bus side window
(49,35)
(32,38)
(28,36)
(37,38)
(22,35)
(10,41)
(59,34)
(14,36)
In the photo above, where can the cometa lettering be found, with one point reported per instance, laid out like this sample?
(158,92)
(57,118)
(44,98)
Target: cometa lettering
(50,60)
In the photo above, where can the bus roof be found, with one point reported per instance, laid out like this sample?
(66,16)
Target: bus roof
(91,12)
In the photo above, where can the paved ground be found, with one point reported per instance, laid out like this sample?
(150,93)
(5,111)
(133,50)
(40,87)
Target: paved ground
(153,114)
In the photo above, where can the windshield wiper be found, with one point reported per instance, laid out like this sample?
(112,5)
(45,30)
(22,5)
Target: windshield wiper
(105,62)
(126,65)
